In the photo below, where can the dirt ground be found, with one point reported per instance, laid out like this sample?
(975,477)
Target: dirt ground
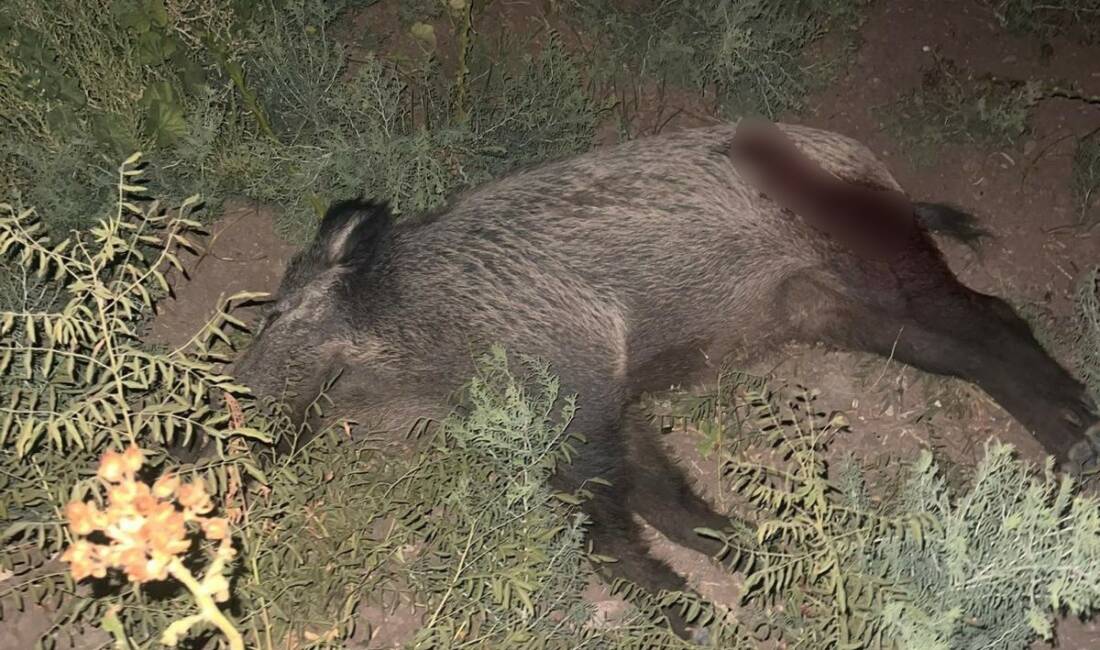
(1021,194)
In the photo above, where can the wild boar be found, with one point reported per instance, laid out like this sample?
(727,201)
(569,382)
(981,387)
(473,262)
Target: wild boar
(635,267)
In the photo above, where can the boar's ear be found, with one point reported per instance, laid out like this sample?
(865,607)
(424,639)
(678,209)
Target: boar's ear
(352,231)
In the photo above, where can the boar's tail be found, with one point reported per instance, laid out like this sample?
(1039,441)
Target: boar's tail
(949,221)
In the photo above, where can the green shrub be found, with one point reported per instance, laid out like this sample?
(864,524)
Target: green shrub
(89,83)
(502,561)
(746,54)
(361,136)
(990,566)
(258,99)
(78,381)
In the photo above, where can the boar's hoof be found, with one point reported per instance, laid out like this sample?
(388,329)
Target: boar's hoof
(1084,457)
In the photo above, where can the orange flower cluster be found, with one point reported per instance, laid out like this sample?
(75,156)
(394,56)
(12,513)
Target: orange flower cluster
(146,529)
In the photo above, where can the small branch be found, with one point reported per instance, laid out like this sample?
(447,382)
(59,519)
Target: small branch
(208,609)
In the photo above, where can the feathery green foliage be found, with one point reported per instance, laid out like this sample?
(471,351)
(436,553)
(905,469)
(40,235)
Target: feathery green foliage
(464,525)
(362,136)
(989,566)
(747,54)
(259,99)
(718,415)
(87,84)
(501,562)
(78,379)
(1026,537)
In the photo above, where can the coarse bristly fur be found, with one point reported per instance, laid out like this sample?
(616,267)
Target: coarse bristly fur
(635,267)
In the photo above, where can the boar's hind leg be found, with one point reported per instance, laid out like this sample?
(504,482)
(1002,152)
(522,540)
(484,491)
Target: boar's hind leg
(951,330)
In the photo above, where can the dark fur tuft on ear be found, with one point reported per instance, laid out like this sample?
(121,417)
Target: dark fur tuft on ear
(949,221)
(353,231)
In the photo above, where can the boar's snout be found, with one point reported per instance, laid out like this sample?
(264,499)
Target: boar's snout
(304,333)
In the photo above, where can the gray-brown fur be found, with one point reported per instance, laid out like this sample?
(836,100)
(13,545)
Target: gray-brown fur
(629,268)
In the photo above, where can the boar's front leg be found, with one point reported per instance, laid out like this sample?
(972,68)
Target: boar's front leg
(612,530)
(661,492)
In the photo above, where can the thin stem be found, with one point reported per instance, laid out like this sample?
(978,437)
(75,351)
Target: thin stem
(208,608)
